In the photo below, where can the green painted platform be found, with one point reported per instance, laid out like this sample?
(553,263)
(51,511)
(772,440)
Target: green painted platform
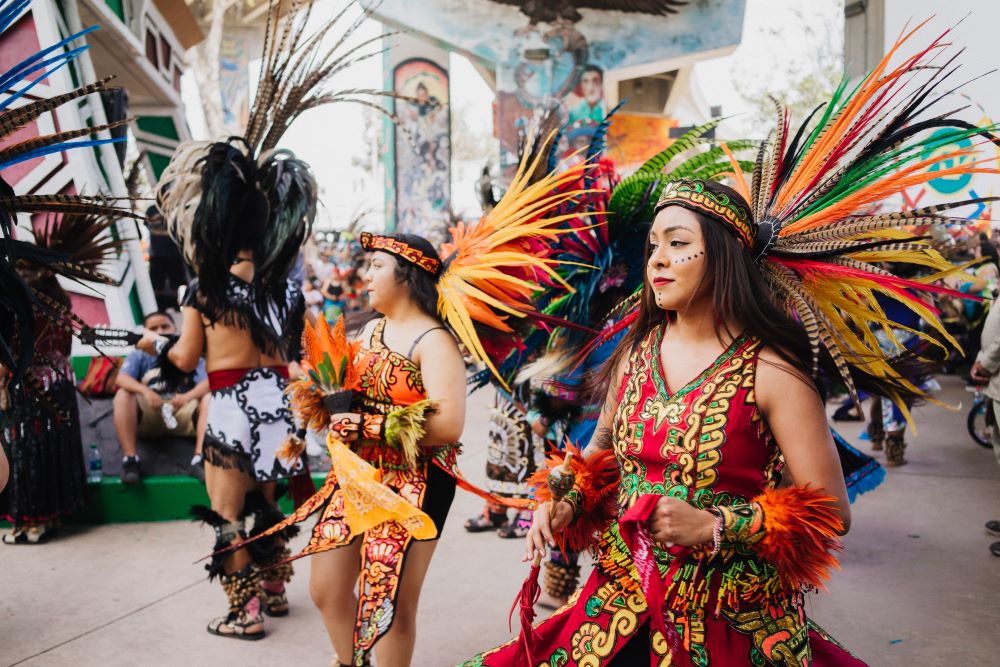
(157,498)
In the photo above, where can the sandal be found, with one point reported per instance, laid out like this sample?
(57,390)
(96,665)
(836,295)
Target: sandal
(239,627)
(488,520)
(245,620)
(36,534)
(518,529)
(15,536)
(275,602)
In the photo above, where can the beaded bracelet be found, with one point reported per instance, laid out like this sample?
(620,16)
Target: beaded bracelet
(575,498)
(717,535)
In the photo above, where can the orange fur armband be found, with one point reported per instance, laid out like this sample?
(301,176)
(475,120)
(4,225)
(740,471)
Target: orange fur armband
(798,534)
(594,495)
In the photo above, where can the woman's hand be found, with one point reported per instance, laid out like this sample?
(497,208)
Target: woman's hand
(979,373)
(674,521)
(544,527)
(345,426)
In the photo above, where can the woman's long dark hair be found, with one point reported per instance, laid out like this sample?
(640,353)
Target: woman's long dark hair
(739,294)
(421,284)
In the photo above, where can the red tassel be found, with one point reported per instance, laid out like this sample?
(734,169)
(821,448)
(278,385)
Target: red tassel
(801,529)
(525,603)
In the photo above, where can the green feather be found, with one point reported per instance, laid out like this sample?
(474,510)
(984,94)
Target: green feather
(343,372)
(325,369)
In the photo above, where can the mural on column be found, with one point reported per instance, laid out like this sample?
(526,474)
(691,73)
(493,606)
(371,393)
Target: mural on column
(964,186)
(423,149)
(556,54)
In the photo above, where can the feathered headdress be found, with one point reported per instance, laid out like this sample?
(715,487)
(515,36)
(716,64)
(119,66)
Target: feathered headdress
(805,217)
(494,269)
(605,272)
(223,197)
(76,245)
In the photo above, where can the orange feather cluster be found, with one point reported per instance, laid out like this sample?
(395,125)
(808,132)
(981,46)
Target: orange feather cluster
(597,477)
(291,449)
(801,528)
(497,266)
(320,343)
(328,360)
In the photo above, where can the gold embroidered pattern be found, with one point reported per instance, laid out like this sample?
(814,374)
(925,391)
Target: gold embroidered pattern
(591,643)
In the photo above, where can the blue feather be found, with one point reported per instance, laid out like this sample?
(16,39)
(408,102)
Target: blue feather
(19,94)
(31,64)
(554,149)
(597,143)
(62,60)
(58,148)
(38,55)
(9,13)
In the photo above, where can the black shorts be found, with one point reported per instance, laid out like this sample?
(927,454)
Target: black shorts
(439,495)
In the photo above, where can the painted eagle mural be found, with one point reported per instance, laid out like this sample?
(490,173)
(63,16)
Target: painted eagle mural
(565,11)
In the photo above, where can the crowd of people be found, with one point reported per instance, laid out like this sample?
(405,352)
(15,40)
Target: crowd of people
(662,410)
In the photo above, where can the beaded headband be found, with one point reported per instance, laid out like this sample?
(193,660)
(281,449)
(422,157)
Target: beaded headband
(715,201)
(371,242)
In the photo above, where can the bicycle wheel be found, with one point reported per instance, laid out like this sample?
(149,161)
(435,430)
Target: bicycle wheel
(980,423)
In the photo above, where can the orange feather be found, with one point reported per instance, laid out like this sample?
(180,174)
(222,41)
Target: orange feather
(597,477)
(801,528)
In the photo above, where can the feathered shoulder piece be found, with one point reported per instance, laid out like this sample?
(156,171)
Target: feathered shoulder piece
(807,217)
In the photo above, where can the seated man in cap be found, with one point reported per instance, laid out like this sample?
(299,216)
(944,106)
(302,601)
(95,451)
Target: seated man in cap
(148,405)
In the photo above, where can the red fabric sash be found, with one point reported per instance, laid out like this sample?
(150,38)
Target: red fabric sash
(634,530)
(230,376)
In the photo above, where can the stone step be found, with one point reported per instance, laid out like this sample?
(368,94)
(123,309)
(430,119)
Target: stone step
(157,498)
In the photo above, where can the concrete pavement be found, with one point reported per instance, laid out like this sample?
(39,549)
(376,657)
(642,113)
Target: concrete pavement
(918,587)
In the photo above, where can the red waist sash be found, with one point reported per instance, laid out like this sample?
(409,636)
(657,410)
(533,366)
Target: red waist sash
(230,376)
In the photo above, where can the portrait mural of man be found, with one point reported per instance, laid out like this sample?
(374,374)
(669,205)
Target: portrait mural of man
(586,103)
(423,149)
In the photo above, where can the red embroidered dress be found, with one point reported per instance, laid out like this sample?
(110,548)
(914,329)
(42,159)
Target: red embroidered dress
(706,443)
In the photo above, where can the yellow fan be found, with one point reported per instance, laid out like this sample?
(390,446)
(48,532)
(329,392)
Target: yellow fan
(368,502)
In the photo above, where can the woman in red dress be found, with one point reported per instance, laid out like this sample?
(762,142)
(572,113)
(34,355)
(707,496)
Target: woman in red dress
(712,491)
(704,418)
